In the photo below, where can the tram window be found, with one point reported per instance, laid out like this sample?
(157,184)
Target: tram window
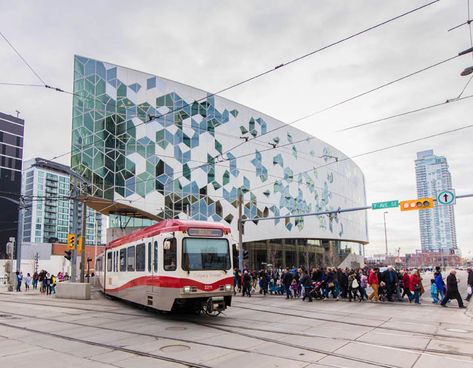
(130,258)
(140,257)
(149,257)
(109,262)
(155,260)
(205,254)
(170,254)
(123,260)
(116,261)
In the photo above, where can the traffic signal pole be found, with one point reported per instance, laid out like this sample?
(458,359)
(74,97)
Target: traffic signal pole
(82,252)
(75,214)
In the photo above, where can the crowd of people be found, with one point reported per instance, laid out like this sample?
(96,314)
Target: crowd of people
(352,284)
(47,282)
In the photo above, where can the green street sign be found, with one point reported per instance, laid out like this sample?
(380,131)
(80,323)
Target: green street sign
(383,205)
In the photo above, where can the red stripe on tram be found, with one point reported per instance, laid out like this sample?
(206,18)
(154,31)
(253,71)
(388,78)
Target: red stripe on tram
(171,282)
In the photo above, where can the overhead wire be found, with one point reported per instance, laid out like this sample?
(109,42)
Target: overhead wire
(23,59)
(370,122)
(279,66)
(376,151)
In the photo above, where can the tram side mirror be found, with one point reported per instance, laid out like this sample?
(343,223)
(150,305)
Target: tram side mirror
(167,245)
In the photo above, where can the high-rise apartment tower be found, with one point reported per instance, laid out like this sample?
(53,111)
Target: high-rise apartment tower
(437,226)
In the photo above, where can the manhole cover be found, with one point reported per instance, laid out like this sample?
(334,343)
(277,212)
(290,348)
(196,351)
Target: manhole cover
(176,328)
(456,330)
(174,348)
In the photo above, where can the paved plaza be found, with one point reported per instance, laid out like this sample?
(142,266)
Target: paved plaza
(41,331)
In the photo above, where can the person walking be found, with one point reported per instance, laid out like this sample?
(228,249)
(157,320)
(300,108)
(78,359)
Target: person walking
(439,282)
(406,284)
(19,279)
(452,291)
(246,290)
(391,280)
(48,283)
(469,283)
(374,283)
(434,292)
(415,286)
(27,282)
(287,281)
(35,280)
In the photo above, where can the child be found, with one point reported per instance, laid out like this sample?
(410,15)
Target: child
(434,291)
(294,288)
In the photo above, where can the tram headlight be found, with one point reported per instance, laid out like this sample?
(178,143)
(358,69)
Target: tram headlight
(228,287)
(186,289)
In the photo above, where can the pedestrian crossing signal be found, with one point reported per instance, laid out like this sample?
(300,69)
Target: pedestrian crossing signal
(71,239)
(416,204)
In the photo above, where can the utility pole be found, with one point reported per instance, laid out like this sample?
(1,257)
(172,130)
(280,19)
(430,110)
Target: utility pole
(240,230)
(75,214)
(21,208)
(385,235)
(83,233)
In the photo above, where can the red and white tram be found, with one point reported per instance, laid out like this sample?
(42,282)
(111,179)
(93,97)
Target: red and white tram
(169,265)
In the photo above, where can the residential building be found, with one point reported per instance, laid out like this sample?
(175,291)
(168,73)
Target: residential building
(49,216)
(437,226)
(11,156)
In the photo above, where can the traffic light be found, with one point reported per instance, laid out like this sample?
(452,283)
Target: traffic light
(68,254)
(79,244)
(416,204)
(245,254)
(71,239)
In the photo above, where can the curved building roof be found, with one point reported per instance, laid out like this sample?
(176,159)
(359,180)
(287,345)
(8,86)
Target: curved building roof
(155,148)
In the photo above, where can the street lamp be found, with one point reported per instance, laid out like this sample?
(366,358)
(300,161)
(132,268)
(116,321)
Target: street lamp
(385,234)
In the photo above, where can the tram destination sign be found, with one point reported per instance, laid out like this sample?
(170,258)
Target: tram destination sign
(383,205)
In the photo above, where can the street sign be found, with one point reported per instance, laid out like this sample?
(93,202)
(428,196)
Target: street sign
(382,205)
(447,197)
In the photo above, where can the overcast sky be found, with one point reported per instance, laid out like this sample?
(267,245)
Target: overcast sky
(213,44)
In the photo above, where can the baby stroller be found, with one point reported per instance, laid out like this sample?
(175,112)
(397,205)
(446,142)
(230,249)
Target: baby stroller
(315,291)
(382,292)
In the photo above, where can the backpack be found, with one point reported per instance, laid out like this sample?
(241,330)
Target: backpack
(354,284)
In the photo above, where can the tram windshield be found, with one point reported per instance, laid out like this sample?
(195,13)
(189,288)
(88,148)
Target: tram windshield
(205,254)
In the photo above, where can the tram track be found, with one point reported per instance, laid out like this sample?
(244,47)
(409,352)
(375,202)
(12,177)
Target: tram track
(231,329)
(145,315)
(108,346)
(187,363)
(380,326)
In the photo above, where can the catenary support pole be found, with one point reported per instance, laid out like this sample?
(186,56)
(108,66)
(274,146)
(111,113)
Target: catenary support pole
(75,214)
(240,230)
(83,234)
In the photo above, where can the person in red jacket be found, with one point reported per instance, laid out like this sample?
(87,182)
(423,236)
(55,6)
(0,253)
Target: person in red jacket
(374,283)
(406,282)
(415,286)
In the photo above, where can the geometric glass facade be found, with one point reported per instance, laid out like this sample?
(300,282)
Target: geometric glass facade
(437,226)
(160,149)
